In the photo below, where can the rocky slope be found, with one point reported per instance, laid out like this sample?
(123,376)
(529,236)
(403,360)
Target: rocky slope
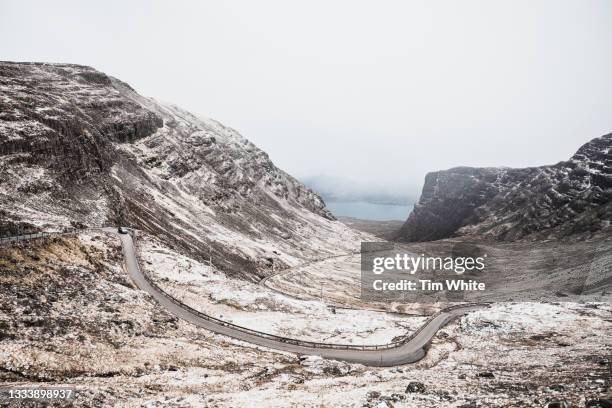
(80,148)
(571,198)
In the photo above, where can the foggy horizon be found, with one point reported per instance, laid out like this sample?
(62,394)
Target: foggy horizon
(399,91)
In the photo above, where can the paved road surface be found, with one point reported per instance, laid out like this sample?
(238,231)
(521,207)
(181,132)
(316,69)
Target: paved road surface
(409,352)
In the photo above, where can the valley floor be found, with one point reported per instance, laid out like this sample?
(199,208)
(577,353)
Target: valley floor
(69,316)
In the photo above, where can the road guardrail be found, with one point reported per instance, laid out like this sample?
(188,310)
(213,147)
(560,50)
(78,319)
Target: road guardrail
(287,340)
(302,343)
(29,236)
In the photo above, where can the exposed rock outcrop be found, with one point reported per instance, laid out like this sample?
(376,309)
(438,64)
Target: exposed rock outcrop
(80,148)
(571,198)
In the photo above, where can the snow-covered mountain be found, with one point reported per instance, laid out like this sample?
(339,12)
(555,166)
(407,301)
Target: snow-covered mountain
(571,198)
(80,148)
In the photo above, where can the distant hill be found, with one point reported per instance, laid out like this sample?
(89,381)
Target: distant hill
(382,229)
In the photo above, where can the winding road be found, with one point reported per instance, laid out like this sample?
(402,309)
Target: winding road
(409,351)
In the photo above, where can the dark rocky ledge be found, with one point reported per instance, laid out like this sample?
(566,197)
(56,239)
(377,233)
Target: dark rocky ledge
(571,198)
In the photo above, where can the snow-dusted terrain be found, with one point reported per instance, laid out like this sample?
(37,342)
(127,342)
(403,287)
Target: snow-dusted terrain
(570,199)
(69,318)
(253,306)
(80,148)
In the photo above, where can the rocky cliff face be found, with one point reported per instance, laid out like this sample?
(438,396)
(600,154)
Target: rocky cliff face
(80,148)
(571,198)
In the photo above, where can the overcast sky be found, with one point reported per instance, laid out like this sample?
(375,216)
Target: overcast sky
(376,91)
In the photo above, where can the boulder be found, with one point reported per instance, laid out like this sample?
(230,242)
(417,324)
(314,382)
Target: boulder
(415,387)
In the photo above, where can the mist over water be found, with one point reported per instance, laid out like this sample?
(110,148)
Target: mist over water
(363,199)
(370,211)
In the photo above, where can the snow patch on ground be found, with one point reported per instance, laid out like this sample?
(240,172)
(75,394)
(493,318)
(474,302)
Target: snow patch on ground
(250,305)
